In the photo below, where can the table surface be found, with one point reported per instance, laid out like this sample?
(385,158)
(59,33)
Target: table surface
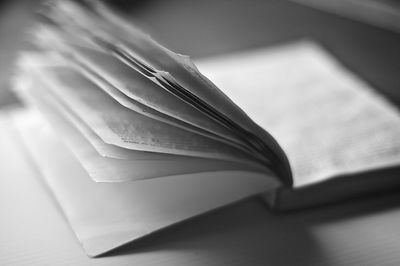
(352,233)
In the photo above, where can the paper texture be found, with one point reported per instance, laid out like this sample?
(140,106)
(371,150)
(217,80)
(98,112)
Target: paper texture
(103,169)
(130,85)
(122,127)
(140,88)
(328,121)
(106,216)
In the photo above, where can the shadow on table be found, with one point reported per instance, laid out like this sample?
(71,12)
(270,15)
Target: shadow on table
(248,233)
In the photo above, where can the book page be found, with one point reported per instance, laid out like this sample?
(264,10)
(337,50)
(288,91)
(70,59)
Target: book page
(328,121)
(106,216)
(119,126)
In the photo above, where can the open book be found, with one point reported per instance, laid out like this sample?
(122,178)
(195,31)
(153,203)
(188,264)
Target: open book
(131,138)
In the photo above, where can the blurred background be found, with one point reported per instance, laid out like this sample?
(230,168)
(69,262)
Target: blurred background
(363,34)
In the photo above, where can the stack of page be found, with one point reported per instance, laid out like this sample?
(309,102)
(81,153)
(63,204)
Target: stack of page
(131,138)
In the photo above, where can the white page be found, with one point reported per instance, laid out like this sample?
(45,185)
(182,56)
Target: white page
(106,216)
(103,169)
(328,121)
(134,131)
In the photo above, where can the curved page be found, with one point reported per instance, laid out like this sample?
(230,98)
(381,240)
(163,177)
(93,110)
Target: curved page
(112,33)
(123,127)
(103,169)
(106,216)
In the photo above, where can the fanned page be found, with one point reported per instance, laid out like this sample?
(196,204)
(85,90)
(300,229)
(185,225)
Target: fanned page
(130,138)
(105,216)
(329,122)
(82,34)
